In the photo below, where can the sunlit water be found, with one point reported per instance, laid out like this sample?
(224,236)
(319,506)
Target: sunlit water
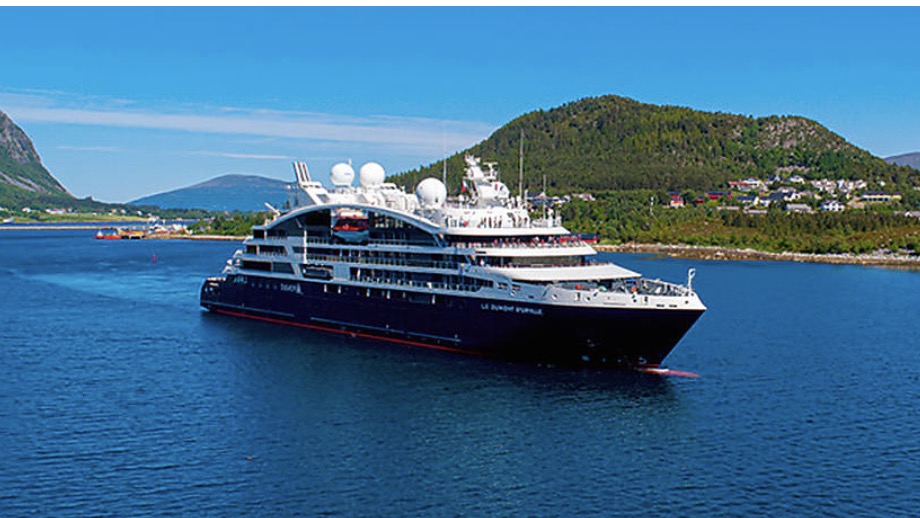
(119,396)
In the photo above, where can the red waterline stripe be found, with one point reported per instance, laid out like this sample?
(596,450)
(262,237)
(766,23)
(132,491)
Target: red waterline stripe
(348,333)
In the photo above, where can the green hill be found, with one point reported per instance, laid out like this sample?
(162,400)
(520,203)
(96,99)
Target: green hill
(23,178)
(613,143)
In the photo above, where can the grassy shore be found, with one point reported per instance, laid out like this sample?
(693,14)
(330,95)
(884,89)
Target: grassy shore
(713,253)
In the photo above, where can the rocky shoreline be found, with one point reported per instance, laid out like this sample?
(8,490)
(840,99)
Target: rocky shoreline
(714,253)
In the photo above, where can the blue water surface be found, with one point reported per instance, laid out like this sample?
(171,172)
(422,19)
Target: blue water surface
(119,396)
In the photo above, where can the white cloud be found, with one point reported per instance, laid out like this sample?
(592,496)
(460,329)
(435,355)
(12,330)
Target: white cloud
(406,133)
(102,149)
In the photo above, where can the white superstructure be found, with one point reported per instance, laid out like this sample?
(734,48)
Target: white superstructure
(482,240)
(472,273)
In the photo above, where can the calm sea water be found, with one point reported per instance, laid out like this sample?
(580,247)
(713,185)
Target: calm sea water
(118,396)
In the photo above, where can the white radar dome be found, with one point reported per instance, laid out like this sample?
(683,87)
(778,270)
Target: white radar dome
(371,173)
(431,193)
(342,175)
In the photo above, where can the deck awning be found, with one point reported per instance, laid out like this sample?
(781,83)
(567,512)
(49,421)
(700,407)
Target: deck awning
(593,272)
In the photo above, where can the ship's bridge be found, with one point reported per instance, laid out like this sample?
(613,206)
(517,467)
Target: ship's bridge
(353,223)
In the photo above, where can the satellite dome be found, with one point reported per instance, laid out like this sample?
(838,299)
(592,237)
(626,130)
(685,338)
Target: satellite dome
(371,173)
(342,175)
(431,193)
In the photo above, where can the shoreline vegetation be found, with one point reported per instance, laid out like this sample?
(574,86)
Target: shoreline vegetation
(706,253)
(717,253)
(680,251)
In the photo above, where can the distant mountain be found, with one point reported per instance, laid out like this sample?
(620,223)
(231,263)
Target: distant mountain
(908,159)
(224,193)
(23,178)
(615,143)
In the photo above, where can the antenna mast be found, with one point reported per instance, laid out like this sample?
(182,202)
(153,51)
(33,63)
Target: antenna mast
(521,172)
(544,197)
(444,154)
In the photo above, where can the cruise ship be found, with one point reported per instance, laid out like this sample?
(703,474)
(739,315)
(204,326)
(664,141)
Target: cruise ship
(477,273)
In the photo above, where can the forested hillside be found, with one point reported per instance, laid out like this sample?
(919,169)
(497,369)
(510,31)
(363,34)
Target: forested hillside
(626,216)
(614,143)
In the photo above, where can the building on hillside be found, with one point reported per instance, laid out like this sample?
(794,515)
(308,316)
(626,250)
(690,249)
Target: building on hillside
(718,195)
(677,200)
(848,186)
(739,185)
(832,206)
(879,197)
(856,204)
(796,179)
(781,195)
(798,207)
(799,195)
(746,185)
(825,185)
(749,199)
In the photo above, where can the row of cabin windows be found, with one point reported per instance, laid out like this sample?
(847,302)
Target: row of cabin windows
(261,266)
(406,236)
(265,249)
(382,228)
(381,293)
(510,241)
(394,277)
(391,294)
(429,280)
(533,261)
(449,261)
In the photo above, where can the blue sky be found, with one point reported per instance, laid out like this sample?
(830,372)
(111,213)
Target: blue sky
(123,102)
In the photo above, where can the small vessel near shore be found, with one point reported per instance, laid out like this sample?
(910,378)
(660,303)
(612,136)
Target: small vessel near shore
(154,228)
(474,274)
(115,233)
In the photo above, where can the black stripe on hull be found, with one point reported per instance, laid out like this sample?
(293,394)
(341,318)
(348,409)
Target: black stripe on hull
(523,331)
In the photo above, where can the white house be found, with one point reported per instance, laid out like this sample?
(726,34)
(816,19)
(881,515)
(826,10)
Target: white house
(832,206)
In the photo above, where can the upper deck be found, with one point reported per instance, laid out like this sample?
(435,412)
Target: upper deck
(483,208)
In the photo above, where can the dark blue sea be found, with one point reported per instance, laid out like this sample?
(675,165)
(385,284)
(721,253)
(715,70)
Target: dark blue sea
(120,397)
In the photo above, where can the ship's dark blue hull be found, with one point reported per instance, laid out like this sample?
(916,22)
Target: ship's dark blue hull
(525,331)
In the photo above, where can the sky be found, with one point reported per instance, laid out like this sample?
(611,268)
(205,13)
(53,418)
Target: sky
(126,102)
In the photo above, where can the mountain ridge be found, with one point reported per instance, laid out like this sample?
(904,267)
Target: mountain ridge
(23,178)
(905,159)
(229,192)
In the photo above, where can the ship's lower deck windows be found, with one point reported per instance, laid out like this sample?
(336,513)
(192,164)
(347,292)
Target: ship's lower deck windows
(449,261)
(282,268)
(257,266)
